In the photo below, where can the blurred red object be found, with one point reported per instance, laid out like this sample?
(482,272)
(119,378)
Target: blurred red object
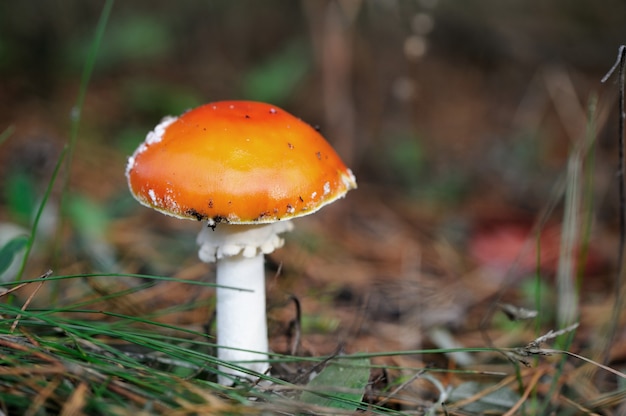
(514,246)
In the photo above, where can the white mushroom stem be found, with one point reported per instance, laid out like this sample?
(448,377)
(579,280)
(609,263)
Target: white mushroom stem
(241,322)
(241,318)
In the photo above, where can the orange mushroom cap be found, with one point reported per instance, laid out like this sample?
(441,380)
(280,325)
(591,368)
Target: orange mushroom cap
(240,162)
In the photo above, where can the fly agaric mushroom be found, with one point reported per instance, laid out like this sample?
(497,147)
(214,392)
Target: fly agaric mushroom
(245,169)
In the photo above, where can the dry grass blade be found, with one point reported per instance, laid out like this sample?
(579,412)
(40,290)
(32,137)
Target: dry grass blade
(580,408)
(24,347)
(608,400)
(76,402)
(531,385)
(43,396)
(580,357)
(484,393)
(401,387)
(43,366)
(567,308)
(30,299)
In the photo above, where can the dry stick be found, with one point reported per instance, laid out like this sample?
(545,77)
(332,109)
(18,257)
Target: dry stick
(30,299)
(619,298)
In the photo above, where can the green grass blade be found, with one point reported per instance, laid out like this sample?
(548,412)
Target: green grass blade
(76,112)
(86,76)
(44,201)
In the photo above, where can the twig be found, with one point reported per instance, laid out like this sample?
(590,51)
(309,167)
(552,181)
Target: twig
(30,299)
(13,289)
(619,298)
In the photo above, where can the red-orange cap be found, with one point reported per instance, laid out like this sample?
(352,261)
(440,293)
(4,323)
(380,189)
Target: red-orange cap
(240,162)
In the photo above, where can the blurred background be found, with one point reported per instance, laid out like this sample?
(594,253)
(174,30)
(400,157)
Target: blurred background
(457,118)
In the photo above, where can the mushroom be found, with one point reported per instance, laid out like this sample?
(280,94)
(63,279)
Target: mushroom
(245,169)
